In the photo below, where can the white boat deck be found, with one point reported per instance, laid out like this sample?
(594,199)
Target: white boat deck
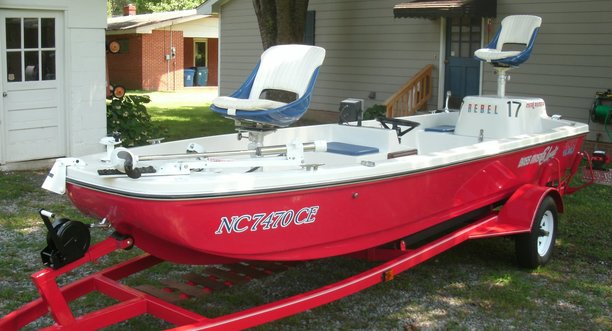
(375,144)
(485,127)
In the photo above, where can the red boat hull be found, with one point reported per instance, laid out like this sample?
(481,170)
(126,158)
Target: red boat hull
(310,223)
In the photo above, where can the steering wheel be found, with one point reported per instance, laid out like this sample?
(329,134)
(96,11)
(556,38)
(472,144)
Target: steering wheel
(396,123)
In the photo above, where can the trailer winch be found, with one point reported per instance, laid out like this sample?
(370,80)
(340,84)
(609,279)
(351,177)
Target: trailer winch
(67,240)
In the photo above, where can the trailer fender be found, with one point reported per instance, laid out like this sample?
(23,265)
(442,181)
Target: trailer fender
(520,209)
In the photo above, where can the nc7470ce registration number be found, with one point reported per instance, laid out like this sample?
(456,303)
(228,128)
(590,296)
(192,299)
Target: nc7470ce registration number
(267,221)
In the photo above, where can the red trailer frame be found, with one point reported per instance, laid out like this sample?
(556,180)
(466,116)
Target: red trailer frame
(517,216)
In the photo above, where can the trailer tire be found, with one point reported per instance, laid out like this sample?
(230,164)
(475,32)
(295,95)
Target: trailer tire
(535,248)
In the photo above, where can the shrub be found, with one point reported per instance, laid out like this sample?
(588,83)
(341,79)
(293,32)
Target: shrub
(374,112)
(129,117)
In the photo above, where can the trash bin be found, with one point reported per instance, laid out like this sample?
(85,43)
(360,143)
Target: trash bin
(201,76)
(188,77)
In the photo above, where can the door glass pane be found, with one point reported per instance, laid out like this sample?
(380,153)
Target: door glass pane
(13,66)
(30,32)
(13,33)
(454,51)
(465,50)
(47,32)
(200,54)
(31,65)
(48,65)
(465,35)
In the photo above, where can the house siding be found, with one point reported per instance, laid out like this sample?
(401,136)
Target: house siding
(87,91)
(207,27)
(239,44)
(367,49)
(79,11)
(370,51)
(571,59)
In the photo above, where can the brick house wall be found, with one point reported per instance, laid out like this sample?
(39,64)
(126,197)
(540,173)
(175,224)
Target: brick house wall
(125,67)
(143,64)
(157,72)
(213,62)
(188,52)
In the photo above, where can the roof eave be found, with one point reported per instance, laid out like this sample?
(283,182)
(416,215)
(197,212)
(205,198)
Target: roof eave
(436,9)
(211,7)
(148,27)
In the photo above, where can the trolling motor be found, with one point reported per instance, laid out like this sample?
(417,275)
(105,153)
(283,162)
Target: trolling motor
(67,241)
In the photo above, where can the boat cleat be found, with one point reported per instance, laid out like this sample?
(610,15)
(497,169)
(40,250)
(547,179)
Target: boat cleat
(103,224)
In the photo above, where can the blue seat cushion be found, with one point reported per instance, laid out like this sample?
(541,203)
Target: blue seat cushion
(441,128)
(350,149)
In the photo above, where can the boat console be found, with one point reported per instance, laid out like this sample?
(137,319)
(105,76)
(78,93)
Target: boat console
(501,116)
(495,117)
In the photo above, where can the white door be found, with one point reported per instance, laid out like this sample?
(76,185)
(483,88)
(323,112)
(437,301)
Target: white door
(32,117)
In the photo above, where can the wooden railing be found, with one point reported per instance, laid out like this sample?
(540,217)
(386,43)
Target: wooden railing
(412,96)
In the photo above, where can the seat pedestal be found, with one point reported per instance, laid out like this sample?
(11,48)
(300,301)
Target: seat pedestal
(502,78)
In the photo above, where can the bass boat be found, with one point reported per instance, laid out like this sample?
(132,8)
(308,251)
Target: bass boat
(298,193)
(400,190)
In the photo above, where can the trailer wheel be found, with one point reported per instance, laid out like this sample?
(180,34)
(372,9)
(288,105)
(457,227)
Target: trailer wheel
(535,248)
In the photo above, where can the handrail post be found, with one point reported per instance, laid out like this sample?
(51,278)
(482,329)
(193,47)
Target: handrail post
(412,96)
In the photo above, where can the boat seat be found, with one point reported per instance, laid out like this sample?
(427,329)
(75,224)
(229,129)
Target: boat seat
(350,149)
(290,69)
(515,30)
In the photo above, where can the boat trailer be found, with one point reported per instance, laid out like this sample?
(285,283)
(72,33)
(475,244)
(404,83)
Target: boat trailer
(519,215)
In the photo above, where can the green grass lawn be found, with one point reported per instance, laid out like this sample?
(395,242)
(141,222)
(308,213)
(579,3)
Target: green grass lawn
(475,286)
(185,115)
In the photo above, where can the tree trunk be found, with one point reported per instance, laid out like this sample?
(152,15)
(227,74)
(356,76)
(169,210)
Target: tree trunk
(281,21)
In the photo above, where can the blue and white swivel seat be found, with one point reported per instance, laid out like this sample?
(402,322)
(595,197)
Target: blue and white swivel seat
(289,68)
(516,30)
